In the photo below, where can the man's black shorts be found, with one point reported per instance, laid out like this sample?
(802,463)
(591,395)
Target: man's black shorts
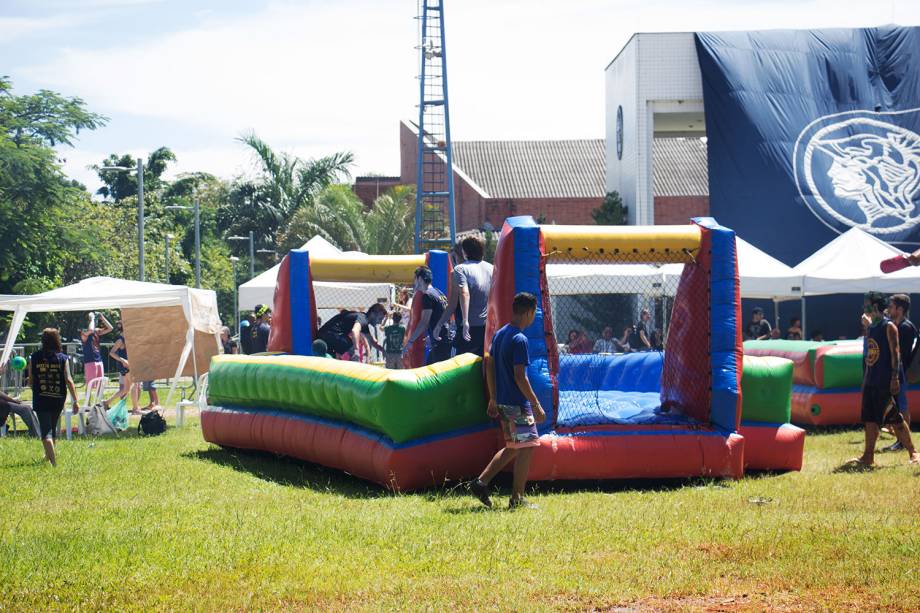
(476,344)
(879,406)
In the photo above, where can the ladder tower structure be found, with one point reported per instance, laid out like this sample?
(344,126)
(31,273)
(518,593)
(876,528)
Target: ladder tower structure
(435,221)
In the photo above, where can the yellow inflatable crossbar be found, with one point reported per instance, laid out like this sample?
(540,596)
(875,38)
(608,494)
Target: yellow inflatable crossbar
(367,269)
(634,244)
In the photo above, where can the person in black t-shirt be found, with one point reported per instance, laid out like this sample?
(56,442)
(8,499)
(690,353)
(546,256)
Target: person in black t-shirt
(260,330)
(49,373)
(758,329)
(639,339)
(246,333)
(348,334)
(227,343)
(434,302)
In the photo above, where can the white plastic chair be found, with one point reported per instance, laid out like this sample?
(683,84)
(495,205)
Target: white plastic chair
(201,401)
(95,394)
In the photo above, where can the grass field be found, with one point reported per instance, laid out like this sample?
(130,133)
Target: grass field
(175,523)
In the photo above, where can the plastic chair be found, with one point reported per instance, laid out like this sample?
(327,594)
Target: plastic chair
(95,394)
(201,401)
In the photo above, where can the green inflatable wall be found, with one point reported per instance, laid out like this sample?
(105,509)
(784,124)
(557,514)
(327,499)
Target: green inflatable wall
(766,389)
(401,404)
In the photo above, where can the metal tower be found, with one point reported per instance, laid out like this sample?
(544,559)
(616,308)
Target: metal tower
(435,224)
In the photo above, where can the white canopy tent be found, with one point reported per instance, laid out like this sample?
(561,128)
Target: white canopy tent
(762,276)
(849,264)
(329,296)
(569,279)
(198,305)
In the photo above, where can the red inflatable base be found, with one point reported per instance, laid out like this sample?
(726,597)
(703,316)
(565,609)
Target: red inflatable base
(608,452)
(814,407)
(772,446)
(644,452)
(399,468)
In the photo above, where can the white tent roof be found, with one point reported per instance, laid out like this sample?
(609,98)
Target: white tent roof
(762,276)
(198,305)
(110,293)
(261,289)
(849,264)
(566,279)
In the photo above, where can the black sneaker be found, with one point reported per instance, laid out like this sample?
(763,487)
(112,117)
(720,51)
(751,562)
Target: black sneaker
(481,491)
(520,503)
(897,446)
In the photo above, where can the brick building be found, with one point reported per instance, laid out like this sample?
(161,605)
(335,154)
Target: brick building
(557,181)
(367,188)
(680,180)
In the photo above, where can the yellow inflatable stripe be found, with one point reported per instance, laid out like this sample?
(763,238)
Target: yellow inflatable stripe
(367,269)
(651,244)
(353,370)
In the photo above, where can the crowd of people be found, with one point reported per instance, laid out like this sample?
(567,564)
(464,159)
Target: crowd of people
(637,337)
(48,375)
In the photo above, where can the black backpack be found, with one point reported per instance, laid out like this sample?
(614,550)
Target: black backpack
(151,424)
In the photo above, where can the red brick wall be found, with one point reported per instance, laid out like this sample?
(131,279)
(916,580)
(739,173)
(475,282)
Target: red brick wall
(553,210)
(678,210)
(368,188)
(472,210)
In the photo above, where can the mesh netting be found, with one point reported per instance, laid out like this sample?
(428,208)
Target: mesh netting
(612,318)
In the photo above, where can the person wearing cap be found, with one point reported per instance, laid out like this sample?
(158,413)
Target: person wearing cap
(245,336)
(260,330)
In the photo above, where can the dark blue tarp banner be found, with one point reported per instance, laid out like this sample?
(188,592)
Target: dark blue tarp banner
(811,133)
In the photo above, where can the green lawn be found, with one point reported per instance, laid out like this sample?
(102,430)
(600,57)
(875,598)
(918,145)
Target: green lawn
(175,523)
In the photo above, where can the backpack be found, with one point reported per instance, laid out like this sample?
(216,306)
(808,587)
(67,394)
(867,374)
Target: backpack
(151,424)
(97,421)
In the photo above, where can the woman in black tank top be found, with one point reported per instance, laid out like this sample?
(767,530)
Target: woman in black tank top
(49,371)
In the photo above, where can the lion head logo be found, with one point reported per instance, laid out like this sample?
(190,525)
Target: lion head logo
(861,170)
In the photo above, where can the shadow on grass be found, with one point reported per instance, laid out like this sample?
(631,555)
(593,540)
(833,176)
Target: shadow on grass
(290,472)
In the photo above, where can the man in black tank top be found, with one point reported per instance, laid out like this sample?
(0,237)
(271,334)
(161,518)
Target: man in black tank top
(898,310)
(882,381)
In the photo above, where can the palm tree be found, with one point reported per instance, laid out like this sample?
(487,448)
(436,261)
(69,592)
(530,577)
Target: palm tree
(286,184)
(336,214)
(391,223)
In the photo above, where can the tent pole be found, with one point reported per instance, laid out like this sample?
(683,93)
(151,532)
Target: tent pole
(15,325)
(802,300)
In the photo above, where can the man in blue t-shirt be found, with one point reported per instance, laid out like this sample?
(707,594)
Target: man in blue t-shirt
(434,304)
(512,401)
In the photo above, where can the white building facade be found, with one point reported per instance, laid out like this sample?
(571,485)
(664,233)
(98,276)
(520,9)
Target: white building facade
(653,89)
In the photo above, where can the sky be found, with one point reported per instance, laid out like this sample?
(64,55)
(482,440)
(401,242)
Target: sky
(317,76)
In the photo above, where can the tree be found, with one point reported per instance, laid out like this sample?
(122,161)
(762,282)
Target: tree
(286,184)
(337,215)
(119,184)
(391,222)
(37,203)
(611,212)
(44,119)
